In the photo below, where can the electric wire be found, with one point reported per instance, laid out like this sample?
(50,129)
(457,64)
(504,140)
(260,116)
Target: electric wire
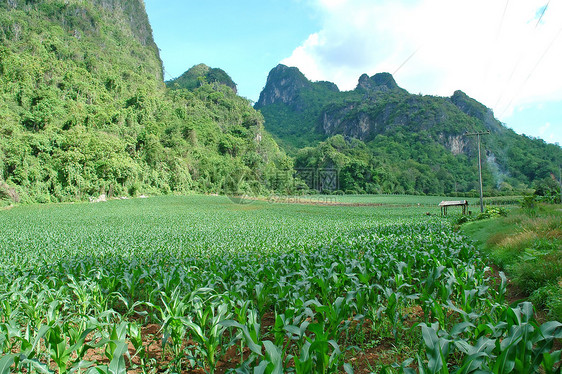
(532,71)
(520,58)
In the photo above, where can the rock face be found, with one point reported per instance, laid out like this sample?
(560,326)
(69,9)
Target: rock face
(81,18)
(135,15)
(456,144)
(383,82)
(284,85)
(292,104)
(398,128)
(475,109)
(355,121)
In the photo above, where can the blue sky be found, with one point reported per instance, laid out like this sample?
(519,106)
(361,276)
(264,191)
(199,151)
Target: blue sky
(505,54)
(245,38)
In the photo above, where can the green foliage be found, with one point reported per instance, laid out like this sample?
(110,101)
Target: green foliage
(362,170)
(490,212)
(515,343)
(547,190)
(416,140)
(199,75)
(527,244)
(84,111)
(287,293)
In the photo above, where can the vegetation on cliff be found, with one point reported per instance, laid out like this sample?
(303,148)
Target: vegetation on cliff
(84,110)
(199,75)
(384,139)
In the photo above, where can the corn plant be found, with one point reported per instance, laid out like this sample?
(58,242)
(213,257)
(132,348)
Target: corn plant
(206,328)
(322,271)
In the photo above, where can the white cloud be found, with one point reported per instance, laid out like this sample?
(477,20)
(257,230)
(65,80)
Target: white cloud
(543,129)
(502,59)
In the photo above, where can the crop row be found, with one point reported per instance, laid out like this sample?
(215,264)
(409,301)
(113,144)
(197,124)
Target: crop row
(304,296)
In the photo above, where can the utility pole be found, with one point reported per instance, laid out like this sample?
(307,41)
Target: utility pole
(478,134)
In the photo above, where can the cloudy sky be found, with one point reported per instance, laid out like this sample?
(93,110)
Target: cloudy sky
(507,54)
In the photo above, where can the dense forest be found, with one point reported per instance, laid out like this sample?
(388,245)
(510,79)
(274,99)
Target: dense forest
(383,139)
(84,110)
(201,74)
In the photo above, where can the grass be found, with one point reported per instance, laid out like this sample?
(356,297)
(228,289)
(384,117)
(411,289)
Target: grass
(528,246)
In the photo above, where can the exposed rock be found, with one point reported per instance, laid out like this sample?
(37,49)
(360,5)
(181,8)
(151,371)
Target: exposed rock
(101,198)
(456,144)
(283,86)
(357,126)
(475,109)
(378,82)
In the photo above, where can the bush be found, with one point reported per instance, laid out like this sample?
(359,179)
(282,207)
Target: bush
(549,297)
(529,202)
(538,271)
(496,212)
(492,212)
(554,302)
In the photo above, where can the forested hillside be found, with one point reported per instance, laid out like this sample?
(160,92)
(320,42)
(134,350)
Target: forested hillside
(384,139)
(199,75)
(84,110)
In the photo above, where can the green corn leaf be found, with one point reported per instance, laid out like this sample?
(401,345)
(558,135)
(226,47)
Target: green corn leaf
(231,323)
(551,360)
(551,330)
(6,362)
(38,366)
(505,363)
(292,329)
(422,368)
(102,369)
(80,366)
(459,328)
(40,334)
(252,345)
(527,311)
(262,366)
(432,348)
(472,363)
(275,356)
(117,364)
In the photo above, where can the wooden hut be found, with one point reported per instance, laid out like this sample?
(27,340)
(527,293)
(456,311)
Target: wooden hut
(446,204)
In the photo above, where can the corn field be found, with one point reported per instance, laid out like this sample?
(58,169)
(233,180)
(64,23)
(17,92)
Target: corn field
(201,285)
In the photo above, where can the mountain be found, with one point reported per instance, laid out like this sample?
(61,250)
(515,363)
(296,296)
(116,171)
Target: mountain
(200,74)
(84,110)
(384,139)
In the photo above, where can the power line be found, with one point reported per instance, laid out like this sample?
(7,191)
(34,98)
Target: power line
(406,61)
(542,14)
(503,18)
(166,73)
(521,55)
(496,42)
(532,71)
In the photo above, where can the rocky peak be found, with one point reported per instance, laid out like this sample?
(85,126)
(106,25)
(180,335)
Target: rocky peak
(283,85)
(475,109)
(378,82)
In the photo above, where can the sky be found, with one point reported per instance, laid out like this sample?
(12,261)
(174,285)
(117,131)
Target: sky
(507,54)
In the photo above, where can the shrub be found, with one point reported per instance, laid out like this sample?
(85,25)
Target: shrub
(538,270)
